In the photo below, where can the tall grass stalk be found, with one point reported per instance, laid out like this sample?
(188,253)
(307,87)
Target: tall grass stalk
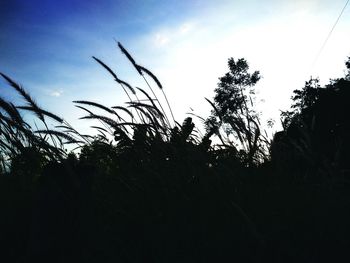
(139,70)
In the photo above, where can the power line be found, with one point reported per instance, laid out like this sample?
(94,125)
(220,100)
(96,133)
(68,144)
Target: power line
(329,34)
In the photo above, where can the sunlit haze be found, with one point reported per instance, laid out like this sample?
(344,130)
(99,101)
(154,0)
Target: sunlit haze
(47,47)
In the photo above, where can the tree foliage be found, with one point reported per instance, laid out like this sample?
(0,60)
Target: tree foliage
(317,127)
(233,111)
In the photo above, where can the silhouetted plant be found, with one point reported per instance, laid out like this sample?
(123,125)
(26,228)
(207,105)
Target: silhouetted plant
(141,70)
(316,127)
(233,111)
(145,190)
(18,139)
(152,119)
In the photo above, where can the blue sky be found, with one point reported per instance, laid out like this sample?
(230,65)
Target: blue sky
(47,47)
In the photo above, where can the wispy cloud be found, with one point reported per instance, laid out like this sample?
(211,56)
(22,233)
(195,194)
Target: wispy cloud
(56,93)
(161,39)
(186,28)
(171,34)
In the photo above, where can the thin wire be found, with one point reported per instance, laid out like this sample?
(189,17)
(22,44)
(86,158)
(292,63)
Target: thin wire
(329,34)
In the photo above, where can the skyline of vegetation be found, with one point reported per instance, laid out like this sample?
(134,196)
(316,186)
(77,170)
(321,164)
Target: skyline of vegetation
(147,188)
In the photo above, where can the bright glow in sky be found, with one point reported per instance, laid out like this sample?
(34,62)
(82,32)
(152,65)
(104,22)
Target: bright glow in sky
(47,46)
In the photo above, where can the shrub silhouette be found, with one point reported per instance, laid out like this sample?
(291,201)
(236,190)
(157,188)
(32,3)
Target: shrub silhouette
(146,188)
(233,111)
(317,129)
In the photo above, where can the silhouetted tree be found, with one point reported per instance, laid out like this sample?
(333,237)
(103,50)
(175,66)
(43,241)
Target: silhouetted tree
(317,127)
(234,110)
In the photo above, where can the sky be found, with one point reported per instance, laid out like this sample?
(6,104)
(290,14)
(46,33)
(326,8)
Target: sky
(47,46)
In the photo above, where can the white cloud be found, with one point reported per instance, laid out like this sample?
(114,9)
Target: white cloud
(161,39)
(56,93)
(171,35)
(186,28)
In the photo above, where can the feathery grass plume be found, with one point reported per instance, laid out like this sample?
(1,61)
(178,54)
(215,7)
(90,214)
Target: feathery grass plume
(69,129)
(57,134)
(153,110)
(72,130)
(125,110)
(156,98)
(25,137)
(161,113)
(7,150)
(5,125)
(11,135)
(195,115)
(101,107)
(25,95)
(114,75)
(5,146)
(112,123)
(149,98)
(122,82)
(11,124)
(97,105)
(41,115)
(53,152)
(19,134)
(163,119)
(85,109)
(99,128)
(87,136)
(42,112)
(126,53)
(14,142)
(149,73)
(106,67)
(138,68)
(150,115)
(11,110)
(92,114)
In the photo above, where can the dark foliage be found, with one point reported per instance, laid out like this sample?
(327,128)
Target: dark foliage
(316,131)
(233,111)
(145,191)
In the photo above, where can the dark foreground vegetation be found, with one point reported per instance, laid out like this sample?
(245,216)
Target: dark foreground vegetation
(148,189)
